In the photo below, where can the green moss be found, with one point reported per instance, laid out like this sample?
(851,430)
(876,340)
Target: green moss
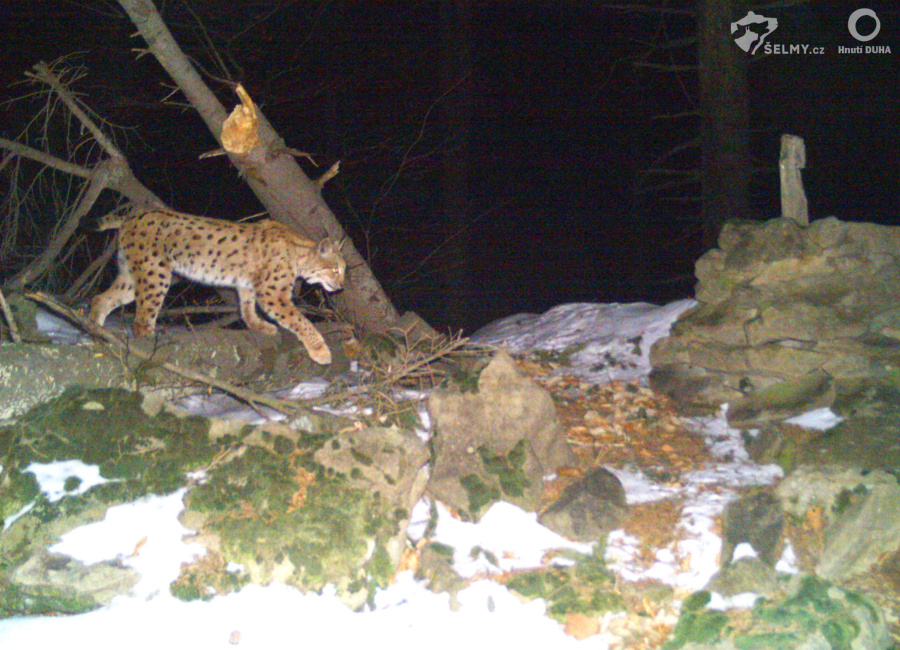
(188,591)
(361,458)
(275,510)
(307,536)
(508,468)
(478,493)
(442,549)
(205,579)
(109,428)
(587,587)
(812,607)
(17,601)
(791,392)
(766,641)
(431,524)
(559,357)
(476,552)
(465,378)
(700,626)
(840,634)
(17,490)
(847,498)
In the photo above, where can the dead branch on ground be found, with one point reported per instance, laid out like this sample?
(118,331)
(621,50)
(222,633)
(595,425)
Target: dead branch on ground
(253,399)
(412,363)
(10,321)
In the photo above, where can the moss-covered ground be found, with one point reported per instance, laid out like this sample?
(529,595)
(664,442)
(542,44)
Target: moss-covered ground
(262,498)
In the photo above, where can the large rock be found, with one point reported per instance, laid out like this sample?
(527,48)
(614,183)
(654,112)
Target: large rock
(497,443)
(589,508)
(861,512)
(57,584)
(787,316)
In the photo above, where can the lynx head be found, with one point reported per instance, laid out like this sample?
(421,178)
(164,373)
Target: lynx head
(328,266)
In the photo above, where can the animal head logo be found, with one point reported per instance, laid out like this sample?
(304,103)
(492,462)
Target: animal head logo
(751,30)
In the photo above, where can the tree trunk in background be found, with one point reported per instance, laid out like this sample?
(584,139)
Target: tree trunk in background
(725,165)
(457,105)
(273,174)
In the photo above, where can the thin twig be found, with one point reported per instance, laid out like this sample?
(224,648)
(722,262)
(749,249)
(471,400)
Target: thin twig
(327,176)
(44,74)
(10,321)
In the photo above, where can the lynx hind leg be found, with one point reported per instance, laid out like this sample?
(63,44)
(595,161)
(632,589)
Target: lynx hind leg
(149,294)
(120,293)
(278,304)
(247,299)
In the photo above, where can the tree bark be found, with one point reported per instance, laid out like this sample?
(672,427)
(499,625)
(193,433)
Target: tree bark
(272,173)
(725,166)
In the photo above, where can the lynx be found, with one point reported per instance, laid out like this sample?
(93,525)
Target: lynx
(261,260)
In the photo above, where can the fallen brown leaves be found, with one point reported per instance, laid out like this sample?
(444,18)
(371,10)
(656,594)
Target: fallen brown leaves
(622,424)
(625,425)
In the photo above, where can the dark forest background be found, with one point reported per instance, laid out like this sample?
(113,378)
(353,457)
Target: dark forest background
(496,157)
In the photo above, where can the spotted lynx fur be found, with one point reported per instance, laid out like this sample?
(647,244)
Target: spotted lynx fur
(261,260)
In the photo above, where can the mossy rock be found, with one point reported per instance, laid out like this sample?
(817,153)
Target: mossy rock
(285,518)
(809,612)
(137,453)
(266,502)
(586,587)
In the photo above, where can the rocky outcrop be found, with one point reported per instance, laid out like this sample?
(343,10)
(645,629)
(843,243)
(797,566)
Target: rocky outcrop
(53,583)
(497,443)
(788,318)
(589,508)
(860,514)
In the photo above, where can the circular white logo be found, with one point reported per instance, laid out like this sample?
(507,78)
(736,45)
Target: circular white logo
(854,18)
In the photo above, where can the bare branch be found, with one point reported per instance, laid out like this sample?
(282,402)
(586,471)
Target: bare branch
(44,158)
(46,75)
(101,178)
(10,321)
(327,176)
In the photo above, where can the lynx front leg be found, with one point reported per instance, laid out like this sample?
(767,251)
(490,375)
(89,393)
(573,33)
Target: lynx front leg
(277,303)
(247,298)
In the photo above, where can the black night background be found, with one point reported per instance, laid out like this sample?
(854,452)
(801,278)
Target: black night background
(496,157)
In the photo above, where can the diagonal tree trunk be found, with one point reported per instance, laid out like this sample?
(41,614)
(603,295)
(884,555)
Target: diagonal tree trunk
(272,173)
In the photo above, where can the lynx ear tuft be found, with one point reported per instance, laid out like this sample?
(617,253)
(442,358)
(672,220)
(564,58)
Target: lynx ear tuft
(325,247)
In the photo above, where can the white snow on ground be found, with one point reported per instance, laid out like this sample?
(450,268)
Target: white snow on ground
(612,342)
(596,333)
(498,533)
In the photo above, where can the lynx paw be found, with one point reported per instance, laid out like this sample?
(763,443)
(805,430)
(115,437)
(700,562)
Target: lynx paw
(320,354)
